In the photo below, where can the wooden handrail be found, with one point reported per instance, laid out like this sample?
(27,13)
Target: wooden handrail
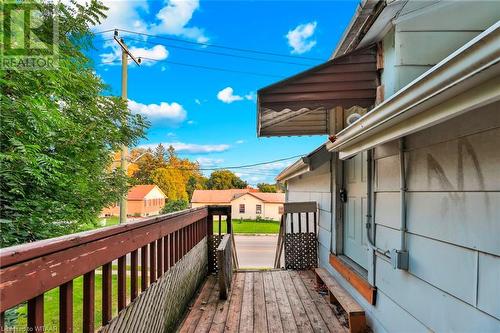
(225,264)
(28,271)
(19,253)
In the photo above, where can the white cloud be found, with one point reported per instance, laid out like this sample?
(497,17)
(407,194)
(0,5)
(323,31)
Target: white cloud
(172,112)
(174,18)
(299,38)
(197,101)
(226,95)
(250,96)
(171,134)
(192,148)
(190,122)
(240,142)
(209,162)
(158,52)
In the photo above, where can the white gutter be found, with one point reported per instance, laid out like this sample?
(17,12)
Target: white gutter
(472,71)
(298,168)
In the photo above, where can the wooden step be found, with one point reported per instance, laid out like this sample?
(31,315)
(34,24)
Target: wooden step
(338,295)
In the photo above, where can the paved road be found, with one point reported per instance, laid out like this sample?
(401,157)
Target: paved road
(256,251)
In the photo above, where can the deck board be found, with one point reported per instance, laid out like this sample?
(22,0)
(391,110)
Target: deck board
(263,301)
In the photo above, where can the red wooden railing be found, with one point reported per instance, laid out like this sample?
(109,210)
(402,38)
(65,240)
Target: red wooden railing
(29,270)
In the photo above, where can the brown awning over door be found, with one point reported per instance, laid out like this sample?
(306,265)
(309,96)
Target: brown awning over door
(300,104)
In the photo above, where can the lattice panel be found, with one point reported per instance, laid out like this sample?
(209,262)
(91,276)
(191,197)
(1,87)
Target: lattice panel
(301,251)
(213,243)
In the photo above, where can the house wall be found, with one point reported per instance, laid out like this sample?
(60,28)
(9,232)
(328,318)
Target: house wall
(270,211)
(453,221)
(426,32)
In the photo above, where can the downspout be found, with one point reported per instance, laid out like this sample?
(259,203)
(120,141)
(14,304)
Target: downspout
(399,258)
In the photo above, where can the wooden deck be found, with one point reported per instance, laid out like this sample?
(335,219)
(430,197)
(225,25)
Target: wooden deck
(264,301)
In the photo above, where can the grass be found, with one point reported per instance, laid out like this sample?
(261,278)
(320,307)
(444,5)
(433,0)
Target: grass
(51,305)
(110,220)
(250,226)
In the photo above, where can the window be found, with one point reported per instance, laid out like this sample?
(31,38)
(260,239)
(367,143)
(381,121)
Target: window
(281,210)
(258,209)
(242,208)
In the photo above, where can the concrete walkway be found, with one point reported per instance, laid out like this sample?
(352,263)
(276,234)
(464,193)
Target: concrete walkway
(256,251)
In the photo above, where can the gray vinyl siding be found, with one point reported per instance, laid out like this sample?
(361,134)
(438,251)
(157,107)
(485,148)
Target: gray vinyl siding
(453,214)
(426,32)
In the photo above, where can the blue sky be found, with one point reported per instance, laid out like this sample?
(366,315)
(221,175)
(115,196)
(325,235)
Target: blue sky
(210,116)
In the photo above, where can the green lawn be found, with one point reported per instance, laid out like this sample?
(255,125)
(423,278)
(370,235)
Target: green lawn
(110,220)
(51,305)
(250,226)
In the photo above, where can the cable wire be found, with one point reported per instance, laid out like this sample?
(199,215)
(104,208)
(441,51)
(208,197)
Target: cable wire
(201,66)
(218,53)
(219,46)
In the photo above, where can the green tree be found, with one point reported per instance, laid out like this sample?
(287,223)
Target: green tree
(195,182)
(58,132)
(269,188)
(170,181)
(224,179)
(174,206)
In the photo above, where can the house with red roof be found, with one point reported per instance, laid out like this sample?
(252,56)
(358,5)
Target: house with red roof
(245,203)
(142,200)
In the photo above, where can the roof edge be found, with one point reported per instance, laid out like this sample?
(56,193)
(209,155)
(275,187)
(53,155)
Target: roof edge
(475,57)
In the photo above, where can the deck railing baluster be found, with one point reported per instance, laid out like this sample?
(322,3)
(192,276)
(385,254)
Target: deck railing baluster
(152,262)
(35,314)
(88,302)
(166,249)
(159,257)
(172,253)
(66,307)
(144,267)
(57,262)
(133,275)
(107,287)
(122,282)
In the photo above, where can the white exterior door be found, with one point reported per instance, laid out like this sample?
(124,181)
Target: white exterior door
(355,180)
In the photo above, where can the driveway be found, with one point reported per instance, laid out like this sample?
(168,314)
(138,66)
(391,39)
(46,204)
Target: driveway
(256,251)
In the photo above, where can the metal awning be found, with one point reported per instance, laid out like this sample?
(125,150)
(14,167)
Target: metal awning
(300,104)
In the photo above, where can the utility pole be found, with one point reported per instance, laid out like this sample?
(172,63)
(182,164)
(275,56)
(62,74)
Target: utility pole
(124,149)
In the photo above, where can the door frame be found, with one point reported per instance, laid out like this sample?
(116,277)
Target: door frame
(338,183)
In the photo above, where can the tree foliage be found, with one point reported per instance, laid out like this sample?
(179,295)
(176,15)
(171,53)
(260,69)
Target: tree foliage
(269,188)
(174,206)
(225,179)
(58,132)
(177,177)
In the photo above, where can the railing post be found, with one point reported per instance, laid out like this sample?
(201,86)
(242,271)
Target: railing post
(229,221)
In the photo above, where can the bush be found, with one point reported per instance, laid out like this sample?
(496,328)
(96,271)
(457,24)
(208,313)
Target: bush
(174,206)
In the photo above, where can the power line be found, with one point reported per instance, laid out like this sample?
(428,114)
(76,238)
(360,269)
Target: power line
(103,32)
(202,67)
(219,53)
(244,166)
(219,46)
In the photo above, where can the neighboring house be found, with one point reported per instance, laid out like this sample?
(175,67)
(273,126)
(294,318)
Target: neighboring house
(408,183)
(245,203)
(142,200)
